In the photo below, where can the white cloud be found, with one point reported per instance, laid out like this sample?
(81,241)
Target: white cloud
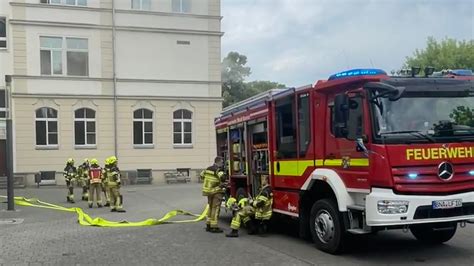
(299,41)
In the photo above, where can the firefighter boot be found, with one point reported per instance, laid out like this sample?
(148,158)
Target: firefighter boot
(85,194)
(233,233)
(99,205)
(262,228)
(251,228)
(216,230)
(120,210)
(90,205)
(208,227)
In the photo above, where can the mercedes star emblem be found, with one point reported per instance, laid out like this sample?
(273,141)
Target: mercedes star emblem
(445,171)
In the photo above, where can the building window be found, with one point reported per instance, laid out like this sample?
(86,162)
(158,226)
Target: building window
(46,127)
(3,32)
(53,53)
(66,2)
(181,6)
(3,104)
(84,127)
(142,127)
(182,127)
(141,4)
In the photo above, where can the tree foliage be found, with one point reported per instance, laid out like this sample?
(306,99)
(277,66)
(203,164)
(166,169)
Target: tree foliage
(234,73)
(445,54)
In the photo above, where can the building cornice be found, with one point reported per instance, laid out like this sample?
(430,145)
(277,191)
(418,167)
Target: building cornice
(105,27)
(171,14)
(169,81)
(111,97)
(109,10)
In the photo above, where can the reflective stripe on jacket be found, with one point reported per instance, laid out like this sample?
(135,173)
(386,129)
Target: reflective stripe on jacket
(95,175)
(263,204)
(212,181)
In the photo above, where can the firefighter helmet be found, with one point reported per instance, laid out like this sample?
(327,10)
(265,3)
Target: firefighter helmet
(70,161)
(231,201)
(94,161)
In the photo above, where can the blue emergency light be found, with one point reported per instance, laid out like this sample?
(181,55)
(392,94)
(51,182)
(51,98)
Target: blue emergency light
(357,72)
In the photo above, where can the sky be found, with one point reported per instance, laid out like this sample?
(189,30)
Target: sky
(297,42)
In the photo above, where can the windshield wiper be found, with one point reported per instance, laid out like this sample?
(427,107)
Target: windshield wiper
(411,132)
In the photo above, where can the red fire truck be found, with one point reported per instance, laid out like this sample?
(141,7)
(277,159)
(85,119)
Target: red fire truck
(358,153)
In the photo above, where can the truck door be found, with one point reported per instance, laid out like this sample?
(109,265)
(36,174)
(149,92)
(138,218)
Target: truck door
(305,151)
(341,153)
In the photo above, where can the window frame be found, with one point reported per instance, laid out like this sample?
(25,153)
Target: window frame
(143,121)
(63,2)
(47,120)
(3,109)
(181,7)
(182,121)
(64,55)
(280,127)
(6,35)
(140,2)
(303,125)
(85,120)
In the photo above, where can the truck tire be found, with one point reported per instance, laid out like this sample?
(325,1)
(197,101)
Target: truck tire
(240,193)
(434,233)
(326,226)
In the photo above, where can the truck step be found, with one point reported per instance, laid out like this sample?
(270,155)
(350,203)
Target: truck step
(356,207)
(358,231)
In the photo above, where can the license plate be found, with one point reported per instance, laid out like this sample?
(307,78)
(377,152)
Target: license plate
(447,204)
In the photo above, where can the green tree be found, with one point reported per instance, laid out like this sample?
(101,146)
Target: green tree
(256,87)
(463,115)
(234,73)
(445,54)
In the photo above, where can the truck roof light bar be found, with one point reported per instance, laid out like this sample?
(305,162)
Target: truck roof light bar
(357,72)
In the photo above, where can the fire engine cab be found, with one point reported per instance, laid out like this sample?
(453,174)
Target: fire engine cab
(359,152)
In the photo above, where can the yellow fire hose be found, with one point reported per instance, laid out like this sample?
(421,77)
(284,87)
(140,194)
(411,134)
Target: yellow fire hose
(84,219)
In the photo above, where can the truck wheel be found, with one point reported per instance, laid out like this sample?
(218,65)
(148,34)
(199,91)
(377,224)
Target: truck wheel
(434,233)
(240,193)
(326,226)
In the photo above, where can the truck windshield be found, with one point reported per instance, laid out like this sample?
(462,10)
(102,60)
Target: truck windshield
(427,117)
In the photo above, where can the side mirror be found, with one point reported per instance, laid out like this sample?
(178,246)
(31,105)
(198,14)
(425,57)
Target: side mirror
(341,112)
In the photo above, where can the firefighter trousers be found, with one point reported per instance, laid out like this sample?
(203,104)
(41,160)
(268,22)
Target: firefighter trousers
(115,199)
(106,193)
(70,189)
(95,191)
(242,216)
(214,202)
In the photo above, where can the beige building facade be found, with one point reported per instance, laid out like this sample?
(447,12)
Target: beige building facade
(92,78)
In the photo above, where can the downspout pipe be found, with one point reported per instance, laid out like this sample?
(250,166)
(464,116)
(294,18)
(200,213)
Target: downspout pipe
(114,57)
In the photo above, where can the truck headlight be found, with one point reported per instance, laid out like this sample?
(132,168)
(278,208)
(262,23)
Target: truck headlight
(392,206)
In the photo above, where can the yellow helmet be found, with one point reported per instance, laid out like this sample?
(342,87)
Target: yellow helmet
(94,161)
(231,201)
(70,161)
(243,202)
(113,159)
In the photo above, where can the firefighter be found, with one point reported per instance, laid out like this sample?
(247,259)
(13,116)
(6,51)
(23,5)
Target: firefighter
(263,204)
(95,181)
(112,176)
(83,178)
(243,214)
(213,189)
(104,185)
(70,173)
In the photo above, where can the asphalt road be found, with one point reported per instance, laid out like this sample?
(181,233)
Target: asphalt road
(54,237)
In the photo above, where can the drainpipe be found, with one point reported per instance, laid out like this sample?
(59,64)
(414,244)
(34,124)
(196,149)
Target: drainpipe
(9,143)
(114,80)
